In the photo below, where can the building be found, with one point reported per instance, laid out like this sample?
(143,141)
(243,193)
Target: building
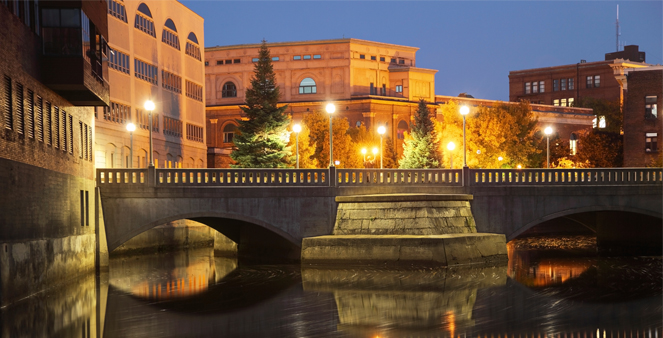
(370,82)
(643,124)
(53,69)
(565,85)
(155,54)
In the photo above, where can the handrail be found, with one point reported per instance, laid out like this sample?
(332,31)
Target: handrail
(377,177)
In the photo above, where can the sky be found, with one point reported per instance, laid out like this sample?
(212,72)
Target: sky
(472,44)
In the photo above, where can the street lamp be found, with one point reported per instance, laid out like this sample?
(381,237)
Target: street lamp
(330,110)
(381,130)
(548,131)
(464,110)
(131,128)
(363,152)
(375,152)
(297,128)
(149,106)
(451,146)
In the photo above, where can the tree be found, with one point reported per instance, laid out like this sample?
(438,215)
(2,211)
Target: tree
(422,148)
(261,139)
(600,149)
(390,155)
(306,150)
(345,150)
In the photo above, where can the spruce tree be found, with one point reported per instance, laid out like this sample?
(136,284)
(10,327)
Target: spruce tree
(263,137)
(422,149)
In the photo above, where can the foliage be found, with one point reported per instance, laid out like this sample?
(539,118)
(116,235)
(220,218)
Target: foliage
(600,149)
(262,137)
(658,161)
(306,149)
(345,150)
(422,148)
(611,110)
(390,155)
(567,163)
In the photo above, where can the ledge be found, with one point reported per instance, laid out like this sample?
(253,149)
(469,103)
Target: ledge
(403,198)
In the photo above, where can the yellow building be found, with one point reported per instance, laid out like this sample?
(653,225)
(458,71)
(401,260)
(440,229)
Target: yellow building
(369,82)
(155,55)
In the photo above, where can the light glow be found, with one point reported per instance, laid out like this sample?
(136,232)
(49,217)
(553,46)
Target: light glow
(464,110)
(381,130)
(131,127)
(331,108)
(451,146)
(296,128)
(149,105)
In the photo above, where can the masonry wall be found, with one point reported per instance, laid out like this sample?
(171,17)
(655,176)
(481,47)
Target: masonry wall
(636,125)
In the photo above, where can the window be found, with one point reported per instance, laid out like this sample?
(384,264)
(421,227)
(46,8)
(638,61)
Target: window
(307,86)
(651,142)
(118,61)
(255,60)
(30,111)
(556,85)
(372,89)
(116,9)
(194,133)
(570,101)
(601,122)
(317,56)
(274,58)
(382,58)
(206,63)
(307,57)
(219,62)
(171,81)
(228,62)
(542,87)
(169,35)
(61,31)
(39,129)
(56,122)
(528,87)
(535,87)
(651,109)
(362,56)
(20,126)
(48,125)
(194,91)
(229,90)
(589,81)
(570,84)
(143,120)
(402,128)
(172,127)
(145,71)
(237,61)
(399,88)
(401,61)
(556,102)
(373,58)
(383,90)
(393,61)
(297,57)
(117,112)
(71,134)
(144,21)
(563,84)
(573,144)
(563,103)
(7,109)
(597,81)
(229,133)
(192,48)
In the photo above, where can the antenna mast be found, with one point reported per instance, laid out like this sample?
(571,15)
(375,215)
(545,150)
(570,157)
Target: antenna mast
(617,32)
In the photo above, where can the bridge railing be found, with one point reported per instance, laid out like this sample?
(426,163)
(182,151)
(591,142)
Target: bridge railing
(600,176)
(107,176)
(242,177)
(398,177)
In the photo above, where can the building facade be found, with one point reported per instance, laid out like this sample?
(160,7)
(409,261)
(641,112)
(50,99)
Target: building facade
(643,124)
(53,73)
(370,82)
(155,54)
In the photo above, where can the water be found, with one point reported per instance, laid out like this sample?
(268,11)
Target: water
(539,294)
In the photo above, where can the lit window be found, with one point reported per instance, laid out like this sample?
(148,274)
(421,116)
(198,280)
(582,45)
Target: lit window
(229,90)
(563,103)
(297,57)
(556,85)
(399,89)
(307,86)
(169,35)
(573,144)
(601,122)
(651,109)
(597,81)
(563,84)
(542,87)
(556,102)
(229,133)
(570,101)
(651,142)
(144,20)
(317,56)
(528,87)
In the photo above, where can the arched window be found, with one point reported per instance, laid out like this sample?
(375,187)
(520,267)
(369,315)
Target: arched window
(229,90)
(144,20)
(169,35)
(307,86)
(229,133)
(116,9)
(402,128)
(192,48)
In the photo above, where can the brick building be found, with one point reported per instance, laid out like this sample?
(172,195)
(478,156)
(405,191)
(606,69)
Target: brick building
(156,55)
(370,82)
(565,85)
(643,124)
(53,73)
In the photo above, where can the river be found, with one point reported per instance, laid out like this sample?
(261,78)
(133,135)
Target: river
(541,293)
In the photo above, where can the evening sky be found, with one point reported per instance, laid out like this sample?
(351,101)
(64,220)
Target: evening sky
(473,44)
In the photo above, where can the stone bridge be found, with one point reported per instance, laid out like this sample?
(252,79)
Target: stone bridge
(272,210)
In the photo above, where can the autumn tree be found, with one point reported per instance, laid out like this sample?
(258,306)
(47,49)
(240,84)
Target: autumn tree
(306,149)
(422,148)
(262,137)
(602,146)
(345,150)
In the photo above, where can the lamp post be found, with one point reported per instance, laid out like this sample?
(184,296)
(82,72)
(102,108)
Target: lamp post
(363,152)
(330,110)
(375,153)
(451,146)
(381,130)
(548,131)
(464,110)
(149,106)
(297,128)
(131,128)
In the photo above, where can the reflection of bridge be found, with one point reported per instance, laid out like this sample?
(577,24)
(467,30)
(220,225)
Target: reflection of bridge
(262,207)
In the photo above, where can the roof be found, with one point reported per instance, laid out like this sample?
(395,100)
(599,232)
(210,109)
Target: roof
(622,62)
(314,42)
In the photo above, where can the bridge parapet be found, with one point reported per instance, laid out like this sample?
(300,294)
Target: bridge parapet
(566,177)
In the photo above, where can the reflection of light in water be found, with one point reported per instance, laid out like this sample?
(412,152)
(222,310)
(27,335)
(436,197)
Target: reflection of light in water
(545,272)
(450,320)
(182,287)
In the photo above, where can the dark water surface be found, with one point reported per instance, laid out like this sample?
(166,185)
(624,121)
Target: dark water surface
(194,294)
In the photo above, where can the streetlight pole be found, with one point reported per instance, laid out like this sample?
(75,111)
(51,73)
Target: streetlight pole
(149,106)
(330,110)
(381,130)
(451,146)
(464,110)
(548,131)
(131,127)
(297,128)
(363,152)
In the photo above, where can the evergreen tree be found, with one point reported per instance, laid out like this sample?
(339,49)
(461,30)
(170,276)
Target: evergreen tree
(422,149)
(262,138)
(390,155)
